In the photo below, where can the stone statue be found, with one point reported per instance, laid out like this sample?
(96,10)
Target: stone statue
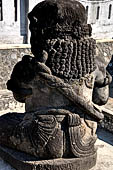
(62,87)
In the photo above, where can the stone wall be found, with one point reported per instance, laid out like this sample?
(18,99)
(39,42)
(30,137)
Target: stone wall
(107,123)
(9,56)
(105,49)
(9,104)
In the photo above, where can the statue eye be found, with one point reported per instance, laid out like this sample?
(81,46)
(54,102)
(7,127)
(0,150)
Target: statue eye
(35,19)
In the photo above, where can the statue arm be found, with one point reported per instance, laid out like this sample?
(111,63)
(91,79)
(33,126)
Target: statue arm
(101,86)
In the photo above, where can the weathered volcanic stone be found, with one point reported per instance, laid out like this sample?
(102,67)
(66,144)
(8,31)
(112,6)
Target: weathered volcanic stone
(22,161)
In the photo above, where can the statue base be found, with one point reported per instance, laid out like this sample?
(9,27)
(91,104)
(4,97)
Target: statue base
(22,161)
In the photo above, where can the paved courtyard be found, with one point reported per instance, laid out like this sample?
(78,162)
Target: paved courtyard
(105,151)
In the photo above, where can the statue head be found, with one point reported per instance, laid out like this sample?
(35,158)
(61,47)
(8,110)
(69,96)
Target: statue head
(60,37)
(51,13)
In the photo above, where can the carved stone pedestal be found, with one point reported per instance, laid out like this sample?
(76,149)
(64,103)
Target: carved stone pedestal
(22,161)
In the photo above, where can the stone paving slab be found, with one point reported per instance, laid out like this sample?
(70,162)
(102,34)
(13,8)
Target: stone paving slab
(105,151)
